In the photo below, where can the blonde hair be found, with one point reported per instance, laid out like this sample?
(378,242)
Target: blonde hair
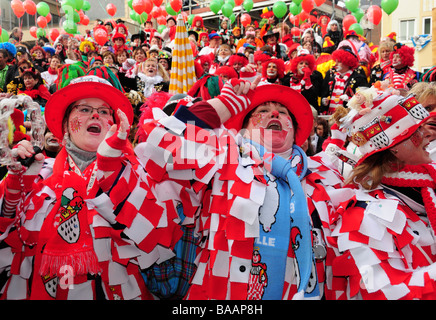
(423,90)
(160,69)
(386,44)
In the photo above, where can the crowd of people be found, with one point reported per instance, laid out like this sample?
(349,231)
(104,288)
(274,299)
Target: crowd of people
(298,166)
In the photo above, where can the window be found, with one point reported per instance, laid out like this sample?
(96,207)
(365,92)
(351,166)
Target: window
(426,28)
(407,29)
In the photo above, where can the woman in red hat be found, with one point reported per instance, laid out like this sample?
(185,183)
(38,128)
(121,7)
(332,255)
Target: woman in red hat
(239,186)
(383,230)
(73,233)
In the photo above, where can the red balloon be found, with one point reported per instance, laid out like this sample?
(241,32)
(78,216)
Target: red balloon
(304,15)
(161,20)
(348,21)
(53,34)
(41,22)
(245,19)
(32,31)
(85,20)
(176,5)
(157,3)
(374,14)
(319,2)
(155,12)
(138,6)
(239,2)
(111,9)
(29,6)
(100,35)
(48,17)
(18,8)
(295,20)
(296,32)
(307,5)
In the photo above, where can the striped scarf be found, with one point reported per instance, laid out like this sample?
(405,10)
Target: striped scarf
(338,90)
(418,176)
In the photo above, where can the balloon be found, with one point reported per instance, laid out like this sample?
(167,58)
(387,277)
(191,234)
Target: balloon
(352,5)
(161,28)
(69,26)
(227,10)
(139,6)
(348,21)
(297,2)
(280,9)
(40,32)
(48,17)
(155,12)
(100,35)
(170,10)
(18,8)
(296,32)
(176,5)
(157,3)
(142,17)
(232,18)
(248,5)
(358,14)
(43,9)
(389,6)
(76,17)
(319,2)
(53,34)
(86,6)
(85,20)
(79,4)
(294,8)
(357,27)
(231,2)
(161,20)
(245,19)
(4,36)
(133,15)
(239,2)
(32,31)
(304,15)
(30,7)
(374,14)
(215,6)
(307,5)
(41,22)
(111,9)
(295,20)
(190,19)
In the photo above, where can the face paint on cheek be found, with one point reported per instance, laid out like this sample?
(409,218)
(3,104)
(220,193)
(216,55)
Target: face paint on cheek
(417,138)
(289,125)
(256,119)
(75,124)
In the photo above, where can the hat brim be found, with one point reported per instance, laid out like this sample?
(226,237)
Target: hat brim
(276,34)
(58,103)
(290,98)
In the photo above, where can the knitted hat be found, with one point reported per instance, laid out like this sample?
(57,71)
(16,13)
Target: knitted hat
(9,47)
(392,36)
(267,13)
(387,121)
(118,35)
(328,42)
(98,84)
(68,72)
(17,131)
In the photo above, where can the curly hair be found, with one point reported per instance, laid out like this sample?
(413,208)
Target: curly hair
(346,56)
(308,57)
(406,53)
(280,67)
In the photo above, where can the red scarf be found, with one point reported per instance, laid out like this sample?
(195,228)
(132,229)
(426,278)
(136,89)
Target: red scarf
(419,176)
(52,71)
(338,90)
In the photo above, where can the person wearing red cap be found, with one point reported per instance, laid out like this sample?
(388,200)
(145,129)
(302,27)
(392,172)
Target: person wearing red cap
(341,82)
(401,75)
(383,232)
(67,239)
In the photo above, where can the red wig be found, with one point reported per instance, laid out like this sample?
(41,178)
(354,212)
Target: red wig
(238,57)
(261,56)
(227,71)
(346,56)
(406,53)
(205,58)
(194,21)
(280,67)
(304,57)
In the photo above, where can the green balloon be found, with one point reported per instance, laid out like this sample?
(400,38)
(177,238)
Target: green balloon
(227,10)
(280,9)
(232,18)
(352,5)
(4,36)
(297,2)
(170,10)
(79,4)
(358,14)
(389,6)
(231,2)
(190,19)
(86,6)
(248,5)
(295,8)
(134,16)
(356,27)
(130,4)
(69,26)
(161,28)
(76,17)
(40,32)
(43,9)
(215,6)
(71,3)
(142,17)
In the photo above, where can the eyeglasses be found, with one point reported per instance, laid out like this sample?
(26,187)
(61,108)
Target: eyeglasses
(88,110)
